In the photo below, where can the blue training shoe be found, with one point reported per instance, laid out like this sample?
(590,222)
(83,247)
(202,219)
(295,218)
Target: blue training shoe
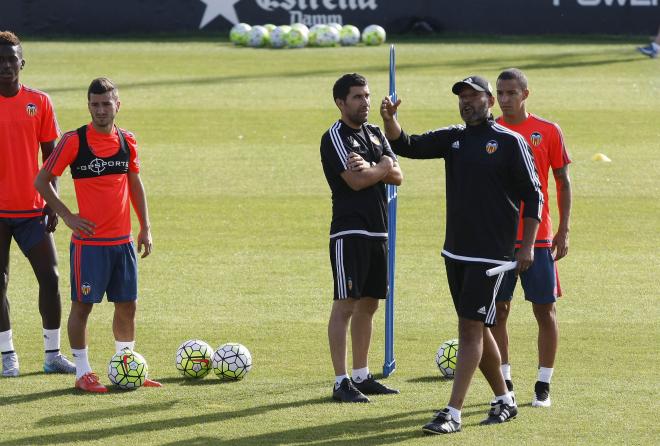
(649,50)
(59,364)
(10,365)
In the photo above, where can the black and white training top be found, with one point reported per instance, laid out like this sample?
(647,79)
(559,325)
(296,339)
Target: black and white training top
(360,213)
(489,171)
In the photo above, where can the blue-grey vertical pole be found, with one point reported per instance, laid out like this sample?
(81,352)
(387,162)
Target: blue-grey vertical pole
(390,364)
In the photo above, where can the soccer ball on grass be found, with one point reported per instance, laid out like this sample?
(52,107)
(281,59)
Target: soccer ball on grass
(231,361)
(239,34)
(193,359)
(445,358)
(127,369)
(373,35)
(258,37)
(298,36)
(312,38)
(349,35)
(335,25)
(327,36)
(278,36)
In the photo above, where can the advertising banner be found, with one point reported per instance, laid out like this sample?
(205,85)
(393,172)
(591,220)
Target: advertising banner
(85,17)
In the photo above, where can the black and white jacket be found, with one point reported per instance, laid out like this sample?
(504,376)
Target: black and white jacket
(360,213)
(489,171)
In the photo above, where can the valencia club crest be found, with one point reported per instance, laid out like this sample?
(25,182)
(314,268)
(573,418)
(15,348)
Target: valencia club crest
(31,109)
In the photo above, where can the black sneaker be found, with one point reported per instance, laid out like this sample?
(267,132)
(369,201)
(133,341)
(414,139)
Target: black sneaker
(347,393)
(443,423)
(372,387)
(500,413)
(541,395)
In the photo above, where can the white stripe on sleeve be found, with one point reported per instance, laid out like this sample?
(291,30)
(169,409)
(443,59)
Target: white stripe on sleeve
(338,144)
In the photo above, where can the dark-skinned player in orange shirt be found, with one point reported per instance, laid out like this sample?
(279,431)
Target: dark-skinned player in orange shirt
(27,123)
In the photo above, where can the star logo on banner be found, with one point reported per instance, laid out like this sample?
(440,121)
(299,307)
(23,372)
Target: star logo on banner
(214,8)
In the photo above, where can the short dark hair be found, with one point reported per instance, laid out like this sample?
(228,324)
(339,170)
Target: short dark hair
(514,74)
(343,85)
(11,39)
(102,85)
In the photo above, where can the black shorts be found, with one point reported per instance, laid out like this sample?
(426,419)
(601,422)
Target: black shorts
(472,290)
(359,267)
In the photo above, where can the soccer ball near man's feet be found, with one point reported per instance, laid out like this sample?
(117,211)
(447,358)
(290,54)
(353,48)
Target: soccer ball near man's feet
(193,358)
(445,358)
(127,369)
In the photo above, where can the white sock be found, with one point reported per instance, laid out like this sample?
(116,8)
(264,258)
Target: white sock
(339,379)
(120,345)
(6,342)
(81,361)
(506,371)
(455,414)
(506,399)
(545,374)
(360,375)
(51,343)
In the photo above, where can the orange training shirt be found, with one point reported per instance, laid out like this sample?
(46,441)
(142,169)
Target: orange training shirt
(103,200)
(547,143)
(26,120)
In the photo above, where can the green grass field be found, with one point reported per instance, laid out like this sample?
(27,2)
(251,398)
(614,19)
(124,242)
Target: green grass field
(240,210)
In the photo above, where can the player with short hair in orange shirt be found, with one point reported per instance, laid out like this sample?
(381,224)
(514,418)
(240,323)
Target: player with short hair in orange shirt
(541,281)
(106,176)
(27,122)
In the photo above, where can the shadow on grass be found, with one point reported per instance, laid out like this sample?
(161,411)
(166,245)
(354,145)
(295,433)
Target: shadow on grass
(430,379)
(135,410)
(199,441)
(365,431)
(28,398)
(23,375)
(207,381)
(362,428)
(388,429)
(542,61)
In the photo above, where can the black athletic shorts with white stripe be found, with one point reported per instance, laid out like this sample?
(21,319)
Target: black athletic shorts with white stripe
(472,290)
(359,267)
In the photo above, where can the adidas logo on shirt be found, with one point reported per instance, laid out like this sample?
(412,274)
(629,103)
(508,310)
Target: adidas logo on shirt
(482,310)
(455,145)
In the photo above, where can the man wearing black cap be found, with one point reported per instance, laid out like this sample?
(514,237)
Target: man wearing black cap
(489,171)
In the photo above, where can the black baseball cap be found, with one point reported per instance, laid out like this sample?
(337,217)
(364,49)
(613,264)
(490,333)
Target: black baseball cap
(475,82)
